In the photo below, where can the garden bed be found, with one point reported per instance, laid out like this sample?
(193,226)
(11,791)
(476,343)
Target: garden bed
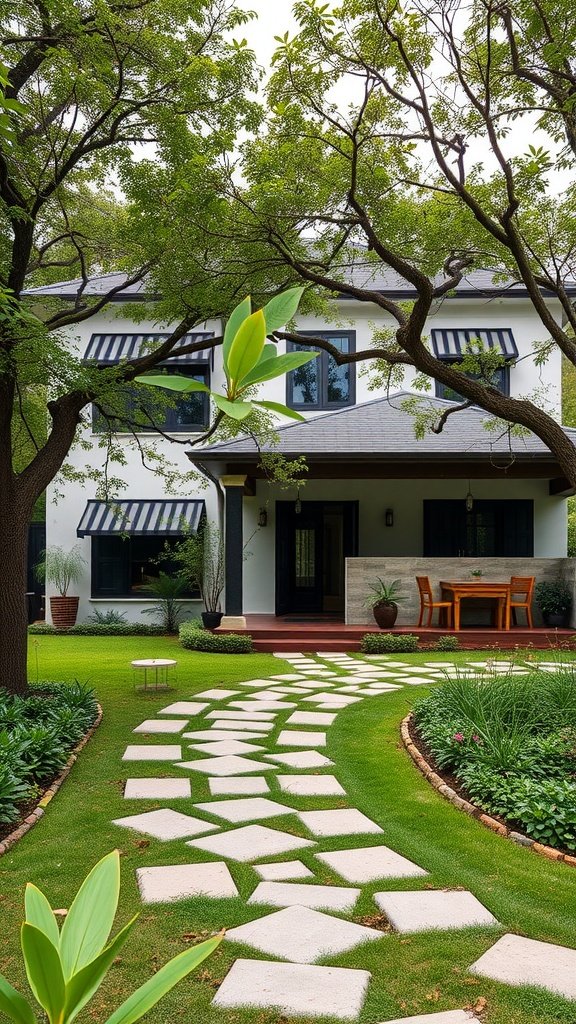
(507,745)
(39,736)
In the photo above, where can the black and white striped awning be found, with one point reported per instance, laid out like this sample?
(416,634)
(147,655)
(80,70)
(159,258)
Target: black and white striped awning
(452,344)
(111,348)
(140,518)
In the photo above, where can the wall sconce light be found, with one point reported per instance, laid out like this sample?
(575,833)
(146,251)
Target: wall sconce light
(298,504)
(262,517)
(469,499)
(389,517)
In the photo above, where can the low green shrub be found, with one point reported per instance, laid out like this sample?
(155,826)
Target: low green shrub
(12,791)
(99,629)
(384,643)
(194,639)
(446,643)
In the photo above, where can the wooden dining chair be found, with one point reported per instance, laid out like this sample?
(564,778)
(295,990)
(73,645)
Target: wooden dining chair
(427,602)
(522,587)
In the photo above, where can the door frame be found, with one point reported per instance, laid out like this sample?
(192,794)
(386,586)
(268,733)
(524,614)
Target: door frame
(286,520)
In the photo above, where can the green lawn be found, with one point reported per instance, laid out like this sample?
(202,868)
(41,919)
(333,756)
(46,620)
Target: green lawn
(411,974)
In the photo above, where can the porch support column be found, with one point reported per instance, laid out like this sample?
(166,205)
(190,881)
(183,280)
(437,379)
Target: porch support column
(233,487)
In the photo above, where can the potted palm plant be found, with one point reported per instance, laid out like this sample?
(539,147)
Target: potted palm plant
(384,602)
(201,560)
(62,569)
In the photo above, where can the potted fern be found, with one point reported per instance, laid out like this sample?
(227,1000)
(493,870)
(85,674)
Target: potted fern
(384,602)
(62,569)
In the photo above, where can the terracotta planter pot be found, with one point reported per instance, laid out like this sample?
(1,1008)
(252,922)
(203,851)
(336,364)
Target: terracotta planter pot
(64,611)
(385,613)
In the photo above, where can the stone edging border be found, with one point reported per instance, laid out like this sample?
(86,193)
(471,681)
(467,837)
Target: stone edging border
(49,793)
(438,783)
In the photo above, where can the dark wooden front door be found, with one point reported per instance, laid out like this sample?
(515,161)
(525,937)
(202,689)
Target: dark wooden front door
(311,548)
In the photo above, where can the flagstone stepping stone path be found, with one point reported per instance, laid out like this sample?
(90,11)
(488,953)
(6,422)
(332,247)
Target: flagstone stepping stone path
(278,713)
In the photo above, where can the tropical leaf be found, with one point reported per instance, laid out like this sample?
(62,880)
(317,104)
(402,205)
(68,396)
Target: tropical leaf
(145,997)
(39,913)
(237,410)
(283,410)
(237,316)
(13,1005)
(246,348)
(281,308)
(82,985)
(89,921)
(269,368)
(270,351)
(172,382)
(44,971)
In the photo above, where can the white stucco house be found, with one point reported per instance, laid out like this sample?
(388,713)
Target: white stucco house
(373,491)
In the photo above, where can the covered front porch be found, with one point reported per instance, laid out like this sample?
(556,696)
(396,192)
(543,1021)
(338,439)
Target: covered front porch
(377,501)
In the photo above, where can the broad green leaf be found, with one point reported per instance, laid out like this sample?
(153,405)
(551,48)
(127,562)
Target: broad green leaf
(13,1005)
(281,308)
(44,971)
(82,985)
(270,351)
(267,369)
(283,410)
(172,382)
(237,410)
(145,997)
(89,921)
(237,316)
(39,913)
(246,348)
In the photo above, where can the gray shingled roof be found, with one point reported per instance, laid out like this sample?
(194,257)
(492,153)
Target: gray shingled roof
(384,429)
(362,273)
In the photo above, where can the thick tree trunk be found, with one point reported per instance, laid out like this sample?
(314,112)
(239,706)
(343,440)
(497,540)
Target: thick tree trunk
(13,608)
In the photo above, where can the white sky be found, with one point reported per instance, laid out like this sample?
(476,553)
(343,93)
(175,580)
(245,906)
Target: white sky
(274,19)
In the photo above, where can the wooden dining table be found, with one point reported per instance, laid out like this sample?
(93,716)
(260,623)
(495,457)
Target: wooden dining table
(458,590)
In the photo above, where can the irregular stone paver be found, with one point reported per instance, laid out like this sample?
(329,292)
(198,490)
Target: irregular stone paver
(243,716)
(222,734)
(288,678)
(327,698)
(283,870)
(519,961)
(301,759)
(347,821)
(266,705)
(302,934)
(290,689)
(418,681)
(245,810)
(311,785)
(183,707)
(446,1017)
(216,694)
(232,764)
(269,694)
(309,718)
(299,738)
(156,789)
(152,725)
(294,989)
(251,842)
(318,897)
(181,881)
(238,786)
(311,684)
(383,686)
(421,911)
(233,724)
(369,863)
(153,752)
(166,824)
(220,748)
(334,705)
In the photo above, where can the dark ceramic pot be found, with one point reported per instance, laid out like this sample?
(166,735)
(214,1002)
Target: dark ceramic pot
(211,620)
(385,613)
(560,619)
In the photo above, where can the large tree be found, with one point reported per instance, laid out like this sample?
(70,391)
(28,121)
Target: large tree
(104,104)
(429,139)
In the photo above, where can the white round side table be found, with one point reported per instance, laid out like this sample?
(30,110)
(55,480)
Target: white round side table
(155,672)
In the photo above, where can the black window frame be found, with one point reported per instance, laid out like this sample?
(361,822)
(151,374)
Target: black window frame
(501,372)
(121,547)
(446,521)
(322,362)
(169,424)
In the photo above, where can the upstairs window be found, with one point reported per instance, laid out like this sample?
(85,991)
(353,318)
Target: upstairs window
(321,384)
(451,346)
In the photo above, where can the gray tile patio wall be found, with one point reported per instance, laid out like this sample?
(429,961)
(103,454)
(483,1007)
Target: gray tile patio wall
(362,572)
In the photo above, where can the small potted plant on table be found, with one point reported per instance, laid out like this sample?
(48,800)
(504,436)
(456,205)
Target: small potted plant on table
(62,568)
(554,599)
(384,602)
